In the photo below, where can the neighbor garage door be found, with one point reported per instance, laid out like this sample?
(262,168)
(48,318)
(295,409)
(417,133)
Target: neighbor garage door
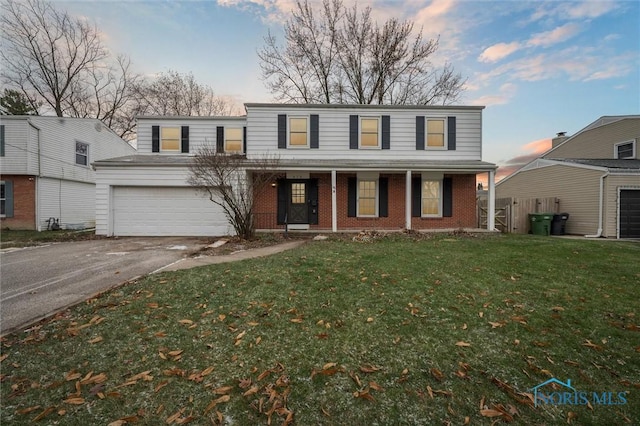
(629,213)
(165,211)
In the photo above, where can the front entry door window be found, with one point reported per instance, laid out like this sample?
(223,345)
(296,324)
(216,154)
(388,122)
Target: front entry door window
(298,209)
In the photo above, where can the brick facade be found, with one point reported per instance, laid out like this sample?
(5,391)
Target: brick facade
(24,203)
(464,206)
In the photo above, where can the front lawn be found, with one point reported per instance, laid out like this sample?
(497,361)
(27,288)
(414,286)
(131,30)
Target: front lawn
(25,238)
(446,329)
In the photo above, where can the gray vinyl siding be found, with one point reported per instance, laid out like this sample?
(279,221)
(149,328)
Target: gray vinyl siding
(599,142)
(612,185)
(202,130)
(577,188)
(73,203)
(46,146)
(262,134)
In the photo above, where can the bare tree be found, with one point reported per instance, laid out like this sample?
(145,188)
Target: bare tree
(60,62)
(231,181)
(341,55)
(172,93)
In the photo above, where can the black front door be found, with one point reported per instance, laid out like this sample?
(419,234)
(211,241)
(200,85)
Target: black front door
(298,209)
(629,213)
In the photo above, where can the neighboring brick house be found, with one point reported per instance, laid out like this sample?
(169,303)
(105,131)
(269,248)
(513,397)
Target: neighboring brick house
(46,172)
(342,167)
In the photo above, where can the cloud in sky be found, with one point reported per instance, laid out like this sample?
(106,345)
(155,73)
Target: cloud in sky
(498,51)
(555,36)
(533,150)
(505,93)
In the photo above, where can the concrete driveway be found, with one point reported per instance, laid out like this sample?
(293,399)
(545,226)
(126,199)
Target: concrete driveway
(37,281)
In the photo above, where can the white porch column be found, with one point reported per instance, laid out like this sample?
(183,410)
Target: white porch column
(491,201)
(334,202)
(407,201)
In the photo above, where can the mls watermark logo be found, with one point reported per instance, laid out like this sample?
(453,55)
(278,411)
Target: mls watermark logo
(568,395)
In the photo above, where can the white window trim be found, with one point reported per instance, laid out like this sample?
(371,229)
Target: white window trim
(369,178)
(431,179)
(179,149)
(445,143)
(308,144)
(633,150)
(75,154)
(226,133)
(379,119)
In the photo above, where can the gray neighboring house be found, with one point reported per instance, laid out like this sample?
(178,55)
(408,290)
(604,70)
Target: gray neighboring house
(595,174)
(45,163)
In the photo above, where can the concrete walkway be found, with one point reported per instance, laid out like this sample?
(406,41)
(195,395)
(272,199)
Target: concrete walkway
(192,262)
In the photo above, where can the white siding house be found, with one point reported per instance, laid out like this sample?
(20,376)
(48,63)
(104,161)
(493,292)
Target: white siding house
(46,169)
(341,167)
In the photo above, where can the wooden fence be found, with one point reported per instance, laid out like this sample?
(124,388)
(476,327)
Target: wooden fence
(512,214)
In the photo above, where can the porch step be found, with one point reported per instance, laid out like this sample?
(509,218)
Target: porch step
(298,227)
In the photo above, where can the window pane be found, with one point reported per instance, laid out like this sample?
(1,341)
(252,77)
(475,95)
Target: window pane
(233,146)
(369,139)
(430,207)
(170,133)
(298,193)
(369,125)
(625,150)
(298,125)
(430,189)
(367,207)
(435,126)
(298,139)
(233,134)
(2,207)
(2,191)
(435,140)
(170,145)
(81,159)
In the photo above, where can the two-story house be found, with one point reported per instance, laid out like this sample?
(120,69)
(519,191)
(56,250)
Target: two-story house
(595,174)
(46,174)
(341,167)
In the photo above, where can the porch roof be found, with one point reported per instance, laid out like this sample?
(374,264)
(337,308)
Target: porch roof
(340,165)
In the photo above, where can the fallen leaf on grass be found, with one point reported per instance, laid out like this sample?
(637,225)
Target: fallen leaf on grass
(496,324)
(72,375)
(368,368)
(251,391)
(570,416)
(437,374)
(3,357)
(44,414)
(463,344)
(490,413)
(27,410)
(364,394)
(212,404)
(96,340)
(185,322)
(375,386)
(590,344)
(76,400)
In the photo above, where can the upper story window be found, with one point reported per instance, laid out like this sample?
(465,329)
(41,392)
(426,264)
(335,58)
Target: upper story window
(170,139)
(625,150)
(369,132)
(233,140)
(435,133)
(82,154)
(298,132)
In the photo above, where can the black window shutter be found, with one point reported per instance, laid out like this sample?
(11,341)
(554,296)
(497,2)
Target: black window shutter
(352,189)
(447,197)
(282,131)
(219,139)
(386,132)
(185,138)
(416,196)
(313,201)
(383,197)
(420,132)
(2,140)
(451,133)
(282,200)
(353,132)
(8,198)
(315,131)
(155,138)
(244,139)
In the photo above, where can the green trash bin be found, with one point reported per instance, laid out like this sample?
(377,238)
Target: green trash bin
(540,223)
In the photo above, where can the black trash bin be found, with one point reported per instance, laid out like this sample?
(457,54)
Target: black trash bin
(559,223)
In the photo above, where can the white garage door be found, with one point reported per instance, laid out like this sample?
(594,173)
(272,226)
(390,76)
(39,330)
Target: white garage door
(166,211)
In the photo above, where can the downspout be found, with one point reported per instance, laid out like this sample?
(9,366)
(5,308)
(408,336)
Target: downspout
(600,209)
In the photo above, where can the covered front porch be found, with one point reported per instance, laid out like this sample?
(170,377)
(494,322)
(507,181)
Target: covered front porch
(348,196)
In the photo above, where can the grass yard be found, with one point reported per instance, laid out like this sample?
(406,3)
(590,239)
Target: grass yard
(24,238)
(440,329)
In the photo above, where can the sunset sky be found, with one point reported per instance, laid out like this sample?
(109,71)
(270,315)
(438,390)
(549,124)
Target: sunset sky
(539,67)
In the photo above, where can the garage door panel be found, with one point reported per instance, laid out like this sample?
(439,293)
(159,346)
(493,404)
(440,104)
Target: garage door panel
(166,211)
(629,213)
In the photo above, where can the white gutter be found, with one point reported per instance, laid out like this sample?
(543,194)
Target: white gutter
(600,209)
